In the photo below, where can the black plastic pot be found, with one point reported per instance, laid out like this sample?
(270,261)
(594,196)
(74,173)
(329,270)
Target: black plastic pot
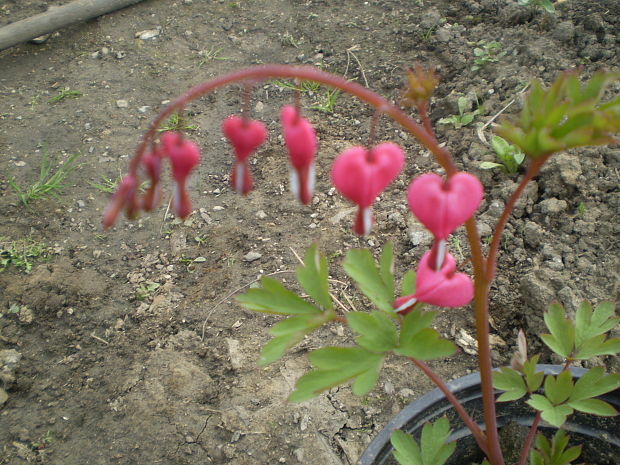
(600,436)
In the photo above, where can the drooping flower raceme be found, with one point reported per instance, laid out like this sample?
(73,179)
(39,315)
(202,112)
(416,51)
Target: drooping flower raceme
(444,288)
(184,155)
(245,136)
(442,206)
(361,175)
(300,140)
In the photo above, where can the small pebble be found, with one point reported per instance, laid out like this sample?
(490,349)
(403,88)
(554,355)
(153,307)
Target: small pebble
(252,256)
(122,103)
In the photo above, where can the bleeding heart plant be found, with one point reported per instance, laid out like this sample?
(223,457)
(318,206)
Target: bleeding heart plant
(565,116)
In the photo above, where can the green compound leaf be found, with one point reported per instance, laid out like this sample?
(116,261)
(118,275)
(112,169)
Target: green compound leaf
(433,449)
(273,297)
(289,332)
(335,366)
(511,381)
(361,267)
(313,277)
(562,337)
(376,331)
(419,341)
(565,115)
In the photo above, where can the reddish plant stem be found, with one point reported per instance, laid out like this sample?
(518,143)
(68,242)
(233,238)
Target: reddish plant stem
(477,433)
(304,73)
(426,121)
(529,440)
(484,272)
(532,170)
(481,313)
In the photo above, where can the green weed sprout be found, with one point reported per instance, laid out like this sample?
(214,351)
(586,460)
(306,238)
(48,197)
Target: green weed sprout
(64,94)
(485,53)
(546,5)
(463,118)
(510,157)
(21,253)
(50,184)
(176,122)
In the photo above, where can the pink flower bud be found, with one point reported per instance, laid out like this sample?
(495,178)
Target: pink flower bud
(123,197)
(361,175)
(300,140)
(184,154)
(244,135)
(444,288)
(152,165)
(444,206)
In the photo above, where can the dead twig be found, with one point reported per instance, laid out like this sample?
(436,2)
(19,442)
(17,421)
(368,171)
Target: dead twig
(94,336)
(350,54)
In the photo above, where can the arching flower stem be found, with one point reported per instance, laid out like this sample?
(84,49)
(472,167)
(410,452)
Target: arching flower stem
(309,73)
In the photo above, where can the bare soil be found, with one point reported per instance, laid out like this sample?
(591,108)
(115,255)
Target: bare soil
(130,348)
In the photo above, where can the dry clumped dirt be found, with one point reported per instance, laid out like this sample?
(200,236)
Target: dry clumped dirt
(126,347)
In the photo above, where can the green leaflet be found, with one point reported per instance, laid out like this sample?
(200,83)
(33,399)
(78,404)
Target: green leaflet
(289,332)
(273,297)
(590,329)
(419,341)
(407,286)
(376,284)
(562,337)
(554,452)
(313,277)
(510,381)
(376,331)
(336,365)
(432,450)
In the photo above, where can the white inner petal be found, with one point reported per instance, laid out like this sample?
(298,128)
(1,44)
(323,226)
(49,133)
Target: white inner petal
(239,178)
(367,219)
(408,303)
(311,179)
(441,254)
(294,182)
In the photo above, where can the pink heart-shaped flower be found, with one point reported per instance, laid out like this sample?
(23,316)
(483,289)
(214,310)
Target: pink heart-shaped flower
(360,175)
(443,288)
(184,155)
(300,141)
(244,135)
(299,137)
(444,206)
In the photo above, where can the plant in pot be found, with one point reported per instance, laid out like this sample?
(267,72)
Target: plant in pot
(566,115)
